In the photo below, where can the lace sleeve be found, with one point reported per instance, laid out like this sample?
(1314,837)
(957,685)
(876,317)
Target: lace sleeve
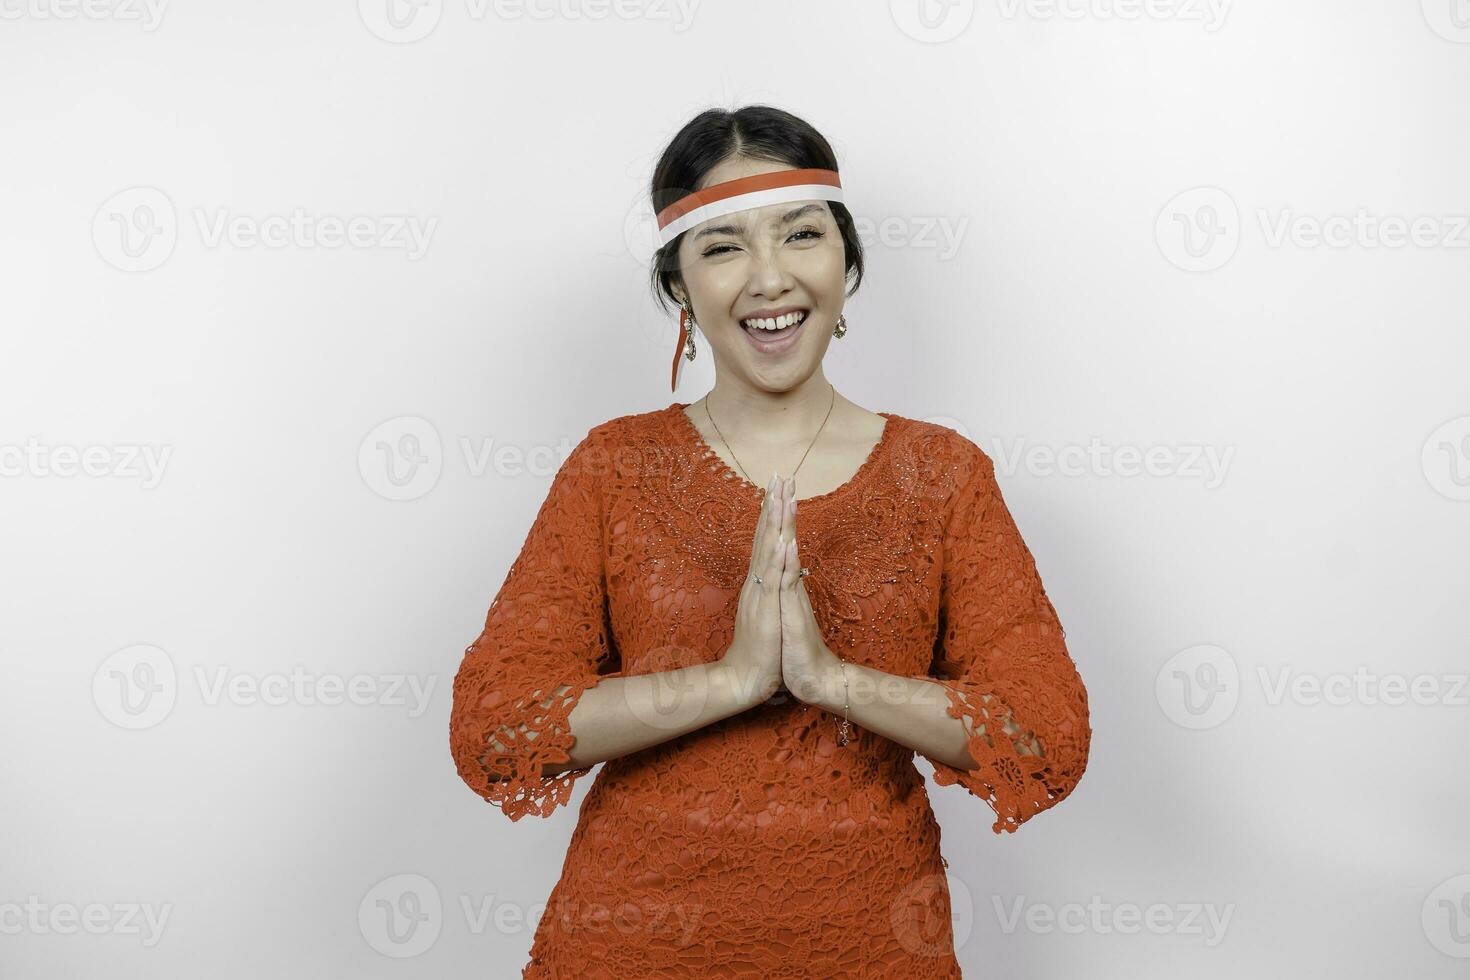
(546,640)
(1003,661)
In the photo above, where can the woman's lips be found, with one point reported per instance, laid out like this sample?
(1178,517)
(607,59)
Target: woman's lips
(779,341)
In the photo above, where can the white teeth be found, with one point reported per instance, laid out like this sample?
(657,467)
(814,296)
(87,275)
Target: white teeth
(777,323)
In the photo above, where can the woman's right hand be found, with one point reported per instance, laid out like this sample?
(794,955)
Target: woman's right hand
(754,658)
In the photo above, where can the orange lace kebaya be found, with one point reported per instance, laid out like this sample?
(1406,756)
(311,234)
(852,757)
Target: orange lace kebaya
(755,846)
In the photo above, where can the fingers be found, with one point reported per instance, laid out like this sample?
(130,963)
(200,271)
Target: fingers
(767,548)
(788,569)
(788,509)
(772,573)
(791,555)
(765,526)
(798,587)
(790,563)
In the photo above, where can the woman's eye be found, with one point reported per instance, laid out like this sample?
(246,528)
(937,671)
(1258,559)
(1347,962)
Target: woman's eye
(721,249)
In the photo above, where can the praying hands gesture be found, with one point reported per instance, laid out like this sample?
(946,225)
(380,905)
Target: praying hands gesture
(806,662)
(777,640)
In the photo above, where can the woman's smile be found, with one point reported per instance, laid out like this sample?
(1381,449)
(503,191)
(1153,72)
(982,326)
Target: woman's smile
(774,335)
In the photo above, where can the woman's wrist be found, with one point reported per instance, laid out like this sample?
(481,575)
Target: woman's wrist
(741,684)
(825,684)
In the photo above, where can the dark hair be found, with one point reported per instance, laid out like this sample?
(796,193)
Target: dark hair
(758,132)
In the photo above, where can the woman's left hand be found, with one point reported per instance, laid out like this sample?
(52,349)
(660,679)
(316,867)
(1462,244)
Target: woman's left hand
(806,663)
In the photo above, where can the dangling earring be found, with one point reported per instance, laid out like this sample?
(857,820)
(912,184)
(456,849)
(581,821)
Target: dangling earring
(687,312)
(841,328)
(685,345)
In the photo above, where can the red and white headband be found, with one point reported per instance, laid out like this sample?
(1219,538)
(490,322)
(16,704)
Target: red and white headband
(745,193)
(741,194)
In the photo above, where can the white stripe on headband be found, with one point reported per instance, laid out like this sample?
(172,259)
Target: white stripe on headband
(745,193)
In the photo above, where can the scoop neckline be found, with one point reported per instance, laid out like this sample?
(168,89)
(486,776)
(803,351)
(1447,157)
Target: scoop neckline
(728,474)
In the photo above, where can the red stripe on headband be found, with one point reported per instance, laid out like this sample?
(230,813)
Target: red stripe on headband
(745,185)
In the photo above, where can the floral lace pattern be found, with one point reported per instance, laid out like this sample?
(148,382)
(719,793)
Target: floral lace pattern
(756,846)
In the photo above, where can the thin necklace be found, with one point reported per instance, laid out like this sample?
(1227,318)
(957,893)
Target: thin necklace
(803,455)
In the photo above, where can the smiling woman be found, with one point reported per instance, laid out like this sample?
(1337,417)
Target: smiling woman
(729,193)
(758,666)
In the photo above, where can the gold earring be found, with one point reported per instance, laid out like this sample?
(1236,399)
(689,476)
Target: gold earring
(689,350)
(841,328)
(684,344)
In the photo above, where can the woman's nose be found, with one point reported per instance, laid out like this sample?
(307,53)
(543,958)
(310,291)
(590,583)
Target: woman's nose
(767,271)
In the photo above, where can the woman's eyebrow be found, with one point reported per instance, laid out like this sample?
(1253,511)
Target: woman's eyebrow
(785,219)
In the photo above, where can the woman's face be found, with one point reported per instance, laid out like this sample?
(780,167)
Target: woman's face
(780,258)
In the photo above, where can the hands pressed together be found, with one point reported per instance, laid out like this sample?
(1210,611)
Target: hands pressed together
(777,640)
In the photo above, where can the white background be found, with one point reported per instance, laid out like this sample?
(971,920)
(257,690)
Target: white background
(1097,230)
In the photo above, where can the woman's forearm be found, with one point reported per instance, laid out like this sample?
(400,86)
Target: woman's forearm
(620,715)
(912,711)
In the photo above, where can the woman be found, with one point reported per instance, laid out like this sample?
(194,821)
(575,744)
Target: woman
(757,661)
